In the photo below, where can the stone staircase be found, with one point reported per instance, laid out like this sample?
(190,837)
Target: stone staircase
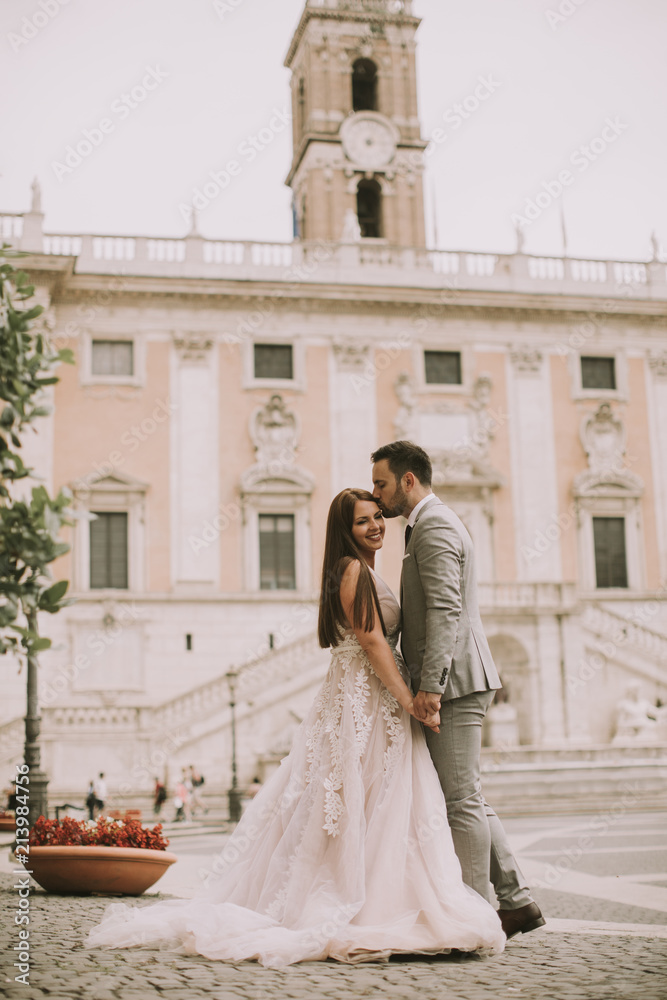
(178,727)
(596,776)
(517,780)
(635,646)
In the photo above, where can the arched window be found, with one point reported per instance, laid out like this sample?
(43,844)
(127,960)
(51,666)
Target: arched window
(369,208)
(364,85)
(301,106)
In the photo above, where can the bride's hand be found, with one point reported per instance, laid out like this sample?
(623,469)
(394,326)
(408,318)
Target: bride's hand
(432,721)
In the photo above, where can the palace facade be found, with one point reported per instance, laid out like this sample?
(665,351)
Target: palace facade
(224,392)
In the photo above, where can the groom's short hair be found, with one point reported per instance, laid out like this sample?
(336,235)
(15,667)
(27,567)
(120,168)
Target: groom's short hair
(404,456)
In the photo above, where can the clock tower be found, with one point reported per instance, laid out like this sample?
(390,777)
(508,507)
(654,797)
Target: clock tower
(358,155)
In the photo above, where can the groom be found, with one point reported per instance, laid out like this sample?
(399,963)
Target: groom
(452,671)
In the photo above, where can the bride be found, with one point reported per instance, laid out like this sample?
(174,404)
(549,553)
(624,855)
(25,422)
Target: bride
(345,853)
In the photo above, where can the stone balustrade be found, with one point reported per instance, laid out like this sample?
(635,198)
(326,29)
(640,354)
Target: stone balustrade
(552,598)
(372,262)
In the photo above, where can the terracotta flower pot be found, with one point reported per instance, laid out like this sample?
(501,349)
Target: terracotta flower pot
(7,824)
(82,870)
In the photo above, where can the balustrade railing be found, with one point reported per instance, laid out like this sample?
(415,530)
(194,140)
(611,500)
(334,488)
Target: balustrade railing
(524,596)
(610,624)
(365,261)
(11,226)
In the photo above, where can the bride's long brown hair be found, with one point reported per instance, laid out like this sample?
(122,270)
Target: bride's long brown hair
(340,548)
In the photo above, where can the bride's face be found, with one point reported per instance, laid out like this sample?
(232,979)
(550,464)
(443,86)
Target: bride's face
(368,526)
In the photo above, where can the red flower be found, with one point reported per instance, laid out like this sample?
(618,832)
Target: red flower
(105,832)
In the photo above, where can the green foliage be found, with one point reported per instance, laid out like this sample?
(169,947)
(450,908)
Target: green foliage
(29,529)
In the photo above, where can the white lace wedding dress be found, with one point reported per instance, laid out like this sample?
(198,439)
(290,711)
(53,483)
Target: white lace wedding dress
(344,853)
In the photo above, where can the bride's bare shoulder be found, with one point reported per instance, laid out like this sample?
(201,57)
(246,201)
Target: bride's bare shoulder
(350,570)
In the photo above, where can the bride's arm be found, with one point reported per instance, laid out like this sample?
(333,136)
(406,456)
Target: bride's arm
(377,648)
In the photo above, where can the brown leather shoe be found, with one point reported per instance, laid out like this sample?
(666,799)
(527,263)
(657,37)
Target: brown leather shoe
(525,918)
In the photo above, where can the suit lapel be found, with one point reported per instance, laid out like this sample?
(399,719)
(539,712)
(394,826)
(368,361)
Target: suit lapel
(431,501)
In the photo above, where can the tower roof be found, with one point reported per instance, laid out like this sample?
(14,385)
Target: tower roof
(396,11)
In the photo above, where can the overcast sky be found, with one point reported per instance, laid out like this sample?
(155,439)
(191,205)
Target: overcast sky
(555,82)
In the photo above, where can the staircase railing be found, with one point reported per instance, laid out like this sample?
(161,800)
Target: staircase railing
(608,623)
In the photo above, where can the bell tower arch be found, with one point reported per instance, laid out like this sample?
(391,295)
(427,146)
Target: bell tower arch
(356,136)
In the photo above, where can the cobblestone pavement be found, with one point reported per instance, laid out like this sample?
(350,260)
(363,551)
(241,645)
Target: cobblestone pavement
(609,944)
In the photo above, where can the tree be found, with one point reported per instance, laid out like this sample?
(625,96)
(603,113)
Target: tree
(29,528)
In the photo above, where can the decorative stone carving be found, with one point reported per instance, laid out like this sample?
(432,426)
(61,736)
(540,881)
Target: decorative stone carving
(636,718)
(274,431)
(658,364)
(603,438)
(485,422)
(351,228)
(350,355)
(36,202)
(655,246)
(193,347)
(405,421)
(526,359)
(465,462)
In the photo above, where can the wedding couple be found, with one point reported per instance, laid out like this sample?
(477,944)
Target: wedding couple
(351,851)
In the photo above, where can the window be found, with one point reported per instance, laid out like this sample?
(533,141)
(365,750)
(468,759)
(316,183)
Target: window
(364,85)
(598,373)
(112,357)
(443,367)
(369,209)
(274,361)
(276,552)
(108,550)
(610,560)
(301,107)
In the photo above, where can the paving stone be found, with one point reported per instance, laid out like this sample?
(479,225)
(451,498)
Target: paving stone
(542,966)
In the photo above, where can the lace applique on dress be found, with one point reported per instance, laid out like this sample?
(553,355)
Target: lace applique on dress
(333,803)
(314,741)
(362,722)
(395,732)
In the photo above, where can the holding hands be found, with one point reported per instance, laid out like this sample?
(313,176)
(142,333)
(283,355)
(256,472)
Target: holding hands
(426,709)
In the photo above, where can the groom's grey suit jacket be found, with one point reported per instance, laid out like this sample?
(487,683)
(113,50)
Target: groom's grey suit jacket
(442,639)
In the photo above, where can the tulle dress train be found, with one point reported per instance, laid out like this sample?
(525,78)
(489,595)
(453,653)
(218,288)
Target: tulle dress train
(345,853)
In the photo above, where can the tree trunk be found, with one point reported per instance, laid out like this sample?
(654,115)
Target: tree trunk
(38,780)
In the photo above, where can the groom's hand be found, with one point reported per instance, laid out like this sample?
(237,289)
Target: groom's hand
(427,703)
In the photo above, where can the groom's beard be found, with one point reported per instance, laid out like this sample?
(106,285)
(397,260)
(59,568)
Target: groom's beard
(398,504)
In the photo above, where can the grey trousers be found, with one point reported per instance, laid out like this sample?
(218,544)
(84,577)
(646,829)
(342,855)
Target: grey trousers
(480,841)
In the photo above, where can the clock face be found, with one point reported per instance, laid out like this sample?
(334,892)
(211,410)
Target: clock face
(368,141)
